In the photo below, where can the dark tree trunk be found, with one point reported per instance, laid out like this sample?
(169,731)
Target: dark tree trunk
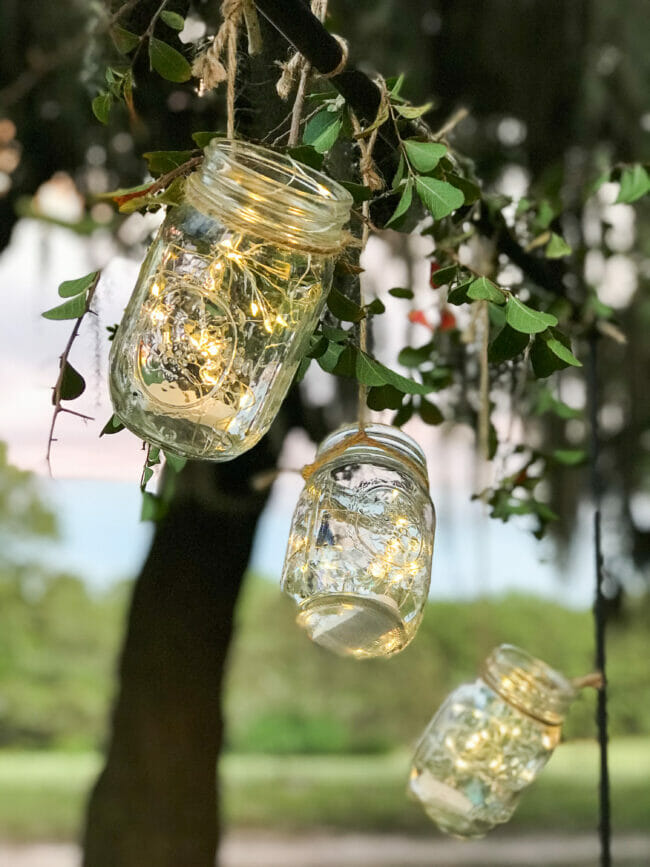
(156,801)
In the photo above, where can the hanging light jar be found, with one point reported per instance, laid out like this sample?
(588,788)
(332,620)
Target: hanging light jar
(227,298)
(358,561)
(488,741)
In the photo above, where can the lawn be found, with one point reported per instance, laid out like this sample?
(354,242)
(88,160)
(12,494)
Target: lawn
(42,794)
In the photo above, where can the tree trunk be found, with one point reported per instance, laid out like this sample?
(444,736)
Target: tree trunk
(156,801)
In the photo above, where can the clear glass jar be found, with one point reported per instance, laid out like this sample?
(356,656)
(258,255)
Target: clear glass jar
(489,740)
(358,561)
(227,298)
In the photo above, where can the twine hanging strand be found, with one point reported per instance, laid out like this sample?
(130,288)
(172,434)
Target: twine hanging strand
(209,66)
(371,178)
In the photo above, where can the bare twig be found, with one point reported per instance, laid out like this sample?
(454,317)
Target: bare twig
(63,360)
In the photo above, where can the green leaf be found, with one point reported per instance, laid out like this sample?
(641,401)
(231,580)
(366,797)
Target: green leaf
(358,192)
(330,358)
(161,162)
(424,155)
(403,415)
(338,335)
(483,289)
(399,174)
(545,214)
(173,20)
(322,130)
(506,345)
(70,288)
(72,383)
(101,106)
(365,368)
(124,40)
(496,314)
(523,318)
(172,195)
(204,137)
(375,308)
(384,397)
(410,112)
(470,190)
(430,413)
(112,426)
(458,294)
(306,155)
(412,356)
(563,352)
(153,508)
(439,197)
(570,457)
(395,84)
(523,205)
(438,378)
(444,275)
(342,307)
(401,293)
(408,386)
(547,403)
(404,203)
(176,462)
(168,62)
(557,247)
(72,309)
(543,360)
(635,183)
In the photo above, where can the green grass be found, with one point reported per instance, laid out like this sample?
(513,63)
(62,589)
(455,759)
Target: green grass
(42,794)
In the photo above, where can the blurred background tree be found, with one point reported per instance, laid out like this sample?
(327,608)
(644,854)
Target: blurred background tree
(555,91)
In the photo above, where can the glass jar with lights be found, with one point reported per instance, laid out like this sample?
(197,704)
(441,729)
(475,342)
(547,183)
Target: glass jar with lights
(226,300)
(488,741)
(358,561)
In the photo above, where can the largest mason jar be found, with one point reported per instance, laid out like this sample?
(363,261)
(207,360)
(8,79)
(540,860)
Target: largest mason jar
(226,300)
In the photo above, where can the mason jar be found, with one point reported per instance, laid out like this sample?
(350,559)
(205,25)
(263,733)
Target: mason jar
(226,300)
(358,561)
(489,740)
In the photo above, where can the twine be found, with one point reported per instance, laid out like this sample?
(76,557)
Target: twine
(596,679)
(209,68)
(371,178)
(358,439)
(298,68)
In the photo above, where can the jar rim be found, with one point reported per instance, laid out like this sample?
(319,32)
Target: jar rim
(387,435)
(271,194)
(528,683)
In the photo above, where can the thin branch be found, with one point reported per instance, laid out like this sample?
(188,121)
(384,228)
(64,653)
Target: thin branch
(296,113)
(63,360)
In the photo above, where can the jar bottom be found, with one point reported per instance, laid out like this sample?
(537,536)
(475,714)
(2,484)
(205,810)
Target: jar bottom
(450,808)
(351,624)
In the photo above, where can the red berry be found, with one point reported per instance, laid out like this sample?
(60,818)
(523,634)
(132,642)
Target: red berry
(434,267)
(418,317)
(447,321)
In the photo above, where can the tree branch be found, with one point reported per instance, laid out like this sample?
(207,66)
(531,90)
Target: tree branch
(63,360)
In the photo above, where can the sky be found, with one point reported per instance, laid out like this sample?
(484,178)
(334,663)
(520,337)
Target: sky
(95,482)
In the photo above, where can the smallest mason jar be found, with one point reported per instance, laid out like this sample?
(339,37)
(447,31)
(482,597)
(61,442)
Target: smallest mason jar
(488,741)
(358,561)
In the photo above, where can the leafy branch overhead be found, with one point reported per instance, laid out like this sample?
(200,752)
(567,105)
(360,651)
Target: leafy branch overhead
(499,314)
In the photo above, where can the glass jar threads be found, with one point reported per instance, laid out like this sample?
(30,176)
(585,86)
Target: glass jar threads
(488,741)
(358,561)
(226,300)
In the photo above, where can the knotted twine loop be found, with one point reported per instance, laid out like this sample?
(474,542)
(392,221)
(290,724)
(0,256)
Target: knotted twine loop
(595,679)
(361,438)
(209,67)
(298,68)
